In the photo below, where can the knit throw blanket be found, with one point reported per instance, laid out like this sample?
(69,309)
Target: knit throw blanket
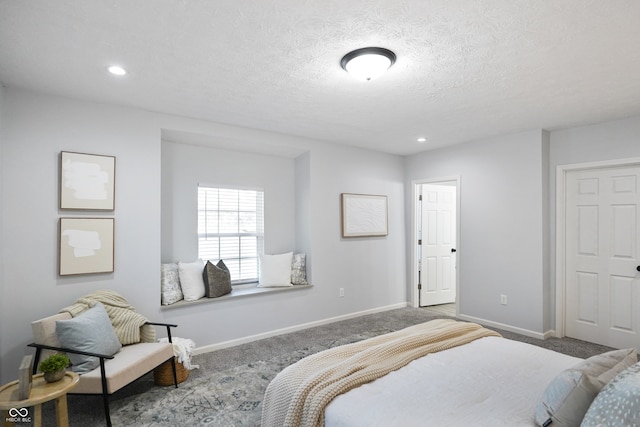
(129,325)
(298,395)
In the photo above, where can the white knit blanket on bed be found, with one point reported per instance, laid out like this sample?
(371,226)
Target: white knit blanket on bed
(298,395)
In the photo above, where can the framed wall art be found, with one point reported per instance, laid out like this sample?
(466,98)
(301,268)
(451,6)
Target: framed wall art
(85,245)
(364,215)
(87,181)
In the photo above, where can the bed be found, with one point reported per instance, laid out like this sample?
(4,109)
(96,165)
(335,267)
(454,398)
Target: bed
(485,380)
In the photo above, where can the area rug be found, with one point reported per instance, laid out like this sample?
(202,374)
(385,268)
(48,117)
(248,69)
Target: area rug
(231,397)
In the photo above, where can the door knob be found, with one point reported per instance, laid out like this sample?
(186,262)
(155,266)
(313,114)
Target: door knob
(638,268)
(453,250)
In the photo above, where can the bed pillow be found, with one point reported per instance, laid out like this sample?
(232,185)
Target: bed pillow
(299,269)
(217,279)
(275,270)
(618,404)
(191,279)
(90,331)
(170,284)
(567,398)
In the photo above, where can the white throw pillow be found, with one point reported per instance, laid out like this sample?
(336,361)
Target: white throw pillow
(275,270)
(191,279)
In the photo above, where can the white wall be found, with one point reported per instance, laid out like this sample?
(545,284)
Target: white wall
(508,214)
(3,293)
(370,269)
(548,285)
(36,127)
(303,209)
(613,140)
(502,246)
(184,166)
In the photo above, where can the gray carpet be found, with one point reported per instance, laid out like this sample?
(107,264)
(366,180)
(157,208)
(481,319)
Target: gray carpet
(227,390)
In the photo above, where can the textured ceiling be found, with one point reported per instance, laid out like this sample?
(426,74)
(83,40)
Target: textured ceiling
(466,69)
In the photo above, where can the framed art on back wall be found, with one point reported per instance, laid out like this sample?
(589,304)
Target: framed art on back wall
(87,181)
(85,245)
(364,215)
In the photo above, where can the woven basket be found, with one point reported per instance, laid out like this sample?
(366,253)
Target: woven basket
(163,374)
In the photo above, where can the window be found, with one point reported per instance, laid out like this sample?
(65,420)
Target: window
(231,228)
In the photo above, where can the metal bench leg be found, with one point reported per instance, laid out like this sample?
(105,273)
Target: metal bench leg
(105,393)
(175,373)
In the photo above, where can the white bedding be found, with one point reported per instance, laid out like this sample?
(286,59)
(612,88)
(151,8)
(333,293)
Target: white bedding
(488,382)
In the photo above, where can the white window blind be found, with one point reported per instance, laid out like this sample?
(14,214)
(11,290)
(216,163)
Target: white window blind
(231,228)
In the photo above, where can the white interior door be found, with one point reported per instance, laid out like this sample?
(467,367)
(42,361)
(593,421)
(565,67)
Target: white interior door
(438,237)
(602,240)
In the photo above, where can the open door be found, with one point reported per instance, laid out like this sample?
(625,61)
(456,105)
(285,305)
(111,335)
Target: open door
(436,243)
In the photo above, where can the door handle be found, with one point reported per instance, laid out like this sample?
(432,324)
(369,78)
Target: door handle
(453,251)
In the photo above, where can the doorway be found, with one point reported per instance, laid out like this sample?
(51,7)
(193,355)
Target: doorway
(435,245)
(598,239)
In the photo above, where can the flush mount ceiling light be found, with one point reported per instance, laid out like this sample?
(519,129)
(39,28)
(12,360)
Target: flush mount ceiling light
(368,63)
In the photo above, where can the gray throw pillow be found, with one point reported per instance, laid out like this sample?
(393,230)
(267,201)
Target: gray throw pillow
(217,279)
(90,331)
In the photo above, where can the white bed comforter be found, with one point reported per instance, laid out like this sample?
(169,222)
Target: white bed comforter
(488,382)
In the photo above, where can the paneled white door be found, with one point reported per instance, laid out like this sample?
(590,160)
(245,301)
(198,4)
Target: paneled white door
(438,258)
(602,241)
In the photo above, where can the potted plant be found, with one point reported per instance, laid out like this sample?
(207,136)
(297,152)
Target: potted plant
(54,367)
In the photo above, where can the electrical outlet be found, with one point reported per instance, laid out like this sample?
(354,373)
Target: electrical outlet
(341,292)
(503,299)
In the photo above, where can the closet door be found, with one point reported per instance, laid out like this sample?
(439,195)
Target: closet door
(602,240)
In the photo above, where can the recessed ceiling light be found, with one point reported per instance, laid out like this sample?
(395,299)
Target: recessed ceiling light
(117,70)
(422,139)
(368,63)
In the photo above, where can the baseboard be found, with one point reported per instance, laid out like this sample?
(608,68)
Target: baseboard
(244,340)
(505,327)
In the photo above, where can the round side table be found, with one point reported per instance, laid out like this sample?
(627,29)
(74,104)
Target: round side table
(41,391)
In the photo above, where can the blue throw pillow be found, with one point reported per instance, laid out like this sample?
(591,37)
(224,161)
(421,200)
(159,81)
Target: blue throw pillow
(618,404)
(90,331)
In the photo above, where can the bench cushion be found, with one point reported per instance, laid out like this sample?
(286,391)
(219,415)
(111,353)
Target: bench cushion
(130,363)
